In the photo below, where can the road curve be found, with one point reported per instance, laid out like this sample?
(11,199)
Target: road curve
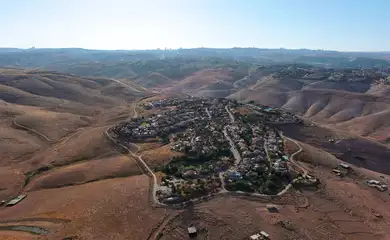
(142,163)
(304,170)
(32,130)
(139,159)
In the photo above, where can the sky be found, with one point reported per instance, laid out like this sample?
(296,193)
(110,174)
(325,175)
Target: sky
(343,25)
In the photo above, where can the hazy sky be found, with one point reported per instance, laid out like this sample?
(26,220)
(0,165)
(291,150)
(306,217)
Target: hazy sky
(362,25)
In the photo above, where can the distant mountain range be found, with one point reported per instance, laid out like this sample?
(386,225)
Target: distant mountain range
(59,58)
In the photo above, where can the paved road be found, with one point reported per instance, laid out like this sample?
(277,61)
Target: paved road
(230,114)
(208,113)
(233,148)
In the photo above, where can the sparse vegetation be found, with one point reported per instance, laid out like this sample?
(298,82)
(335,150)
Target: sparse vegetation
(98,182)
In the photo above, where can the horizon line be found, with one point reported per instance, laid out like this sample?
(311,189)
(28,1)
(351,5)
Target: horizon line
(175,49)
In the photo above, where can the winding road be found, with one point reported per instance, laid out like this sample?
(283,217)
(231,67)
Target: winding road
(142,163)
(139,159)
(32,130)
(304,170)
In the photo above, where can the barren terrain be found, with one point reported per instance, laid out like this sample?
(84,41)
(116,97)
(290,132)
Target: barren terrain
(79,185)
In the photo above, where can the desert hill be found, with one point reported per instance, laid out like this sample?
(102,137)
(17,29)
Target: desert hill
(359,104)
(202,79)
(341,109)
(53,145)
(338,98)
(86,91)
(154,80)
(50,119)
(218,82)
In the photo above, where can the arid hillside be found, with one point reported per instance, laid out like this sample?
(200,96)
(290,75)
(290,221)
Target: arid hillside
(81,184)
(362,114)
(49,119)
(356,103)
(154,80)
(52,140)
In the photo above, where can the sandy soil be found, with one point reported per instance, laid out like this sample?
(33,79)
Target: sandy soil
(107,209)
(92,170)
(158,156)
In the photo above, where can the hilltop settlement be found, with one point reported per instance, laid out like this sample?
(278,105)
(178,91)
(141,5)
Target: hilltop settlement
(225,146)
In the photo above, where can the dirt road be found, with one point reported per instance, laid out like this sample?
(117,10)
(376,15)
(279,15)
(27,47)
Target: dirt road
(32,130)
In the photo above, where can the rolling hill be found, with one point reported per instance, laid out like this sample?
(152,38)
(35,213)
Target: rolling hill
(154,80)
(53,117)
(362,114)
(50,119)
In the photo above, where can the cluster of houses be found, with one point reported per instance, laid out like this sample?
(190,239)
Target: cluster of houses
(354,75)
(185,115)
(191,184)
(161,103)
(260,148)
(274,115)
(274,147)
(204,138)
(249,141)
(219,144)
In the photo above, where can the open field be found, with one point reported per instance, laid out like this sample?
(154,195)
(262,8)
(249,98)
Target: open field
(53,125)
(159,156)
(84,145)
(88,171)
(11,182)
(13,235)
(116,208)
(17,145)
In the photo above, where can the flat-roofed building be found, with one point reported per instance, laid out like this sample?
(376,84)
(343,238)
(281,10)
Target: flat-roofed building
(16,200)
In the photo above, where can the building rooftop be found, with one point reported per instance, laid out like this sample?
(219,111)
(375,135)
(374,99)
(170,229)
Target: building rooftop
(16,200)
(191,230)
